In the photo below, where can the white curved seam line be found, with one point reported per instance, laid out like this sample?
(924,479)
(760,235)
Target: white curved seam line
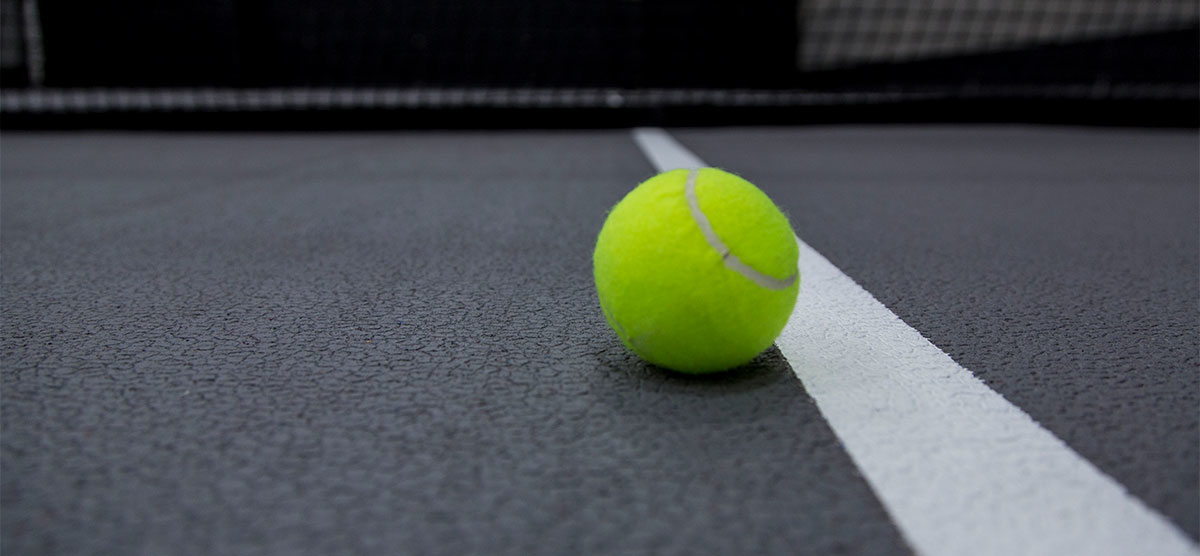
(732,262)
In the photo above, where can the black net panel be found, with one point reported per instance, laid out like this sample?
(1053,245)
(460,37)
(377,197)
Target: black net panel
(253,55)
(842,33)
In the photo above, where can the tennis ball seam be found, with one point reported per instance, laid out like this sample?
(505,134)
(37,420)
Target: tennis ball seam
(731,260)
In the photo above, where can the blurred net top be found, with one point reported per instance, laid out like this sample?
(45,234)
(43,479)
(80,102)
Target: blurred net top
(374,54)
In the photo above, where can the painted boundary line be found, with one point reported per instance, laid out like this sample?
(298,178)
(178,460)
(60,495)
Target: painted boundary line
(958,468)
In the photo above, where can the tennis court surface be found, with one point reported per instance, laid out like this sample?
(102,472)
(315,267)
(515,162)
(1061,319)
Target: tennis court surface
(321,282)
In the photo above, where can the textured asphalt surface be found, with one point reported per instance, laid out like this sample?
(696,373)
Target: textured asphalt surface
(389,343)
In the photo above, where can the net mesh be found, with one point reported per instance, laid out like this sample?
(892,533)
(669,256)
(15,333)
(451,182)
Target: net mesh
(302,54)
(840,33)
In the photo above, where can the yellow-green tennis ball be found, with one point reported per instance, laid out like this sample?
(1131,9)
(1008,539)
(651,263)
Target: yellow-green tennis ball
(696,270)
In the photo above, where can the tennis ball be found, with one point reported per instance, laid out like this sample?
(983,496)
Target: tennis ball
(696,270)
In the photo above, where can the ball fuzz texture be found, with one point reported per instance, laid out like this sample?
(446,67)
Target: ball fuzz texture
(696,270)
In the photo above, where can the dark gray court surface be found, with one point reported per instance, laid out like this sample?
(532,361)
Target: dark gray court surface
(388,343)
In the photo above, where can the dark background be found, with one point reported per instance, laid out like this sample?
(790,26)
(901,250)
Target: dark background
(1105,62)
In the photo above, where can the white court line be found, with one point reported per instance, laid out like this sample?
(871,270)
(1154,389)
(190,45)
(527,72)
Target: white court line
(960,470)
(664,152)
